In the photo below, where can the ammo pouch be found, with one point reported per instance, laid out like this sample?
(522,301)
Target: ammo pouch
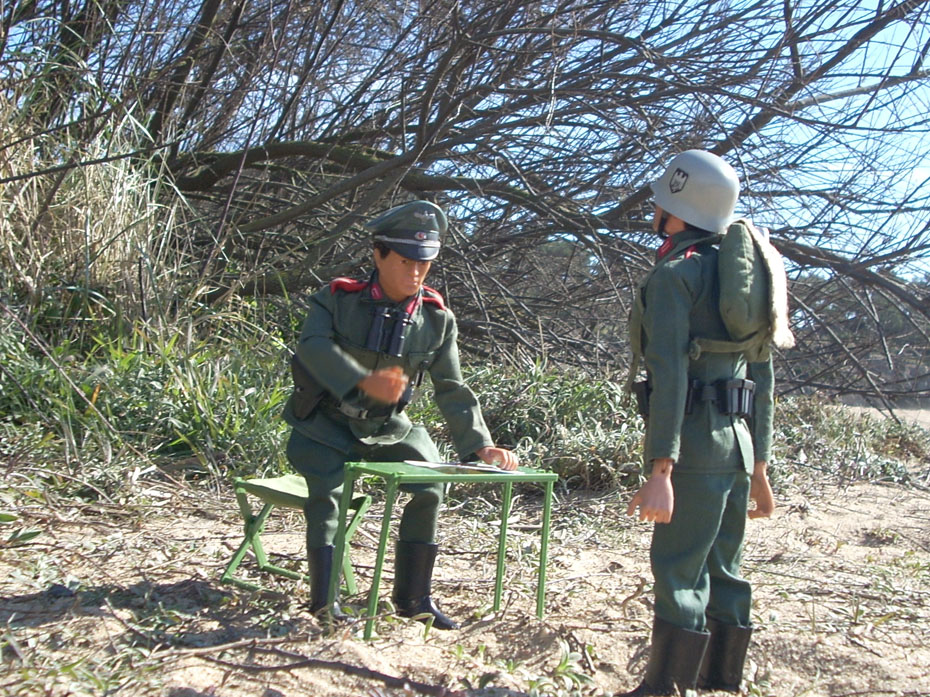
(307,391)
(732,397)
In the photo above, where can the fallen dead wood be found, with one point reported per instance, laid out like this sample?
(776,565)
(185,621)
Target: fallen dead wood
(300,661)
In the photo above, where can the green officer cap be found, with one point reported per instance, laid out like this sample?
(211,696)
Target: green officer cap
(411,229)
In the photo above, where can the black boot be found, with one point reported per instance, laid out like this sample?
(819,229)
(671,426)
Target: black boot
(321,567)
(674,661)
(726,654)
(413,573)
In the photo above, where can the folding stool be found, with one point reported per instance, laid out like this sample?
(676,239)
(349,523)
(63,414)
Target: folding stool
(287,491)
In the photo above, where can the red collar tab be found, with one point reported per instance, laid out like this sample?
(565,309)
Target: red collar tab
(414,304)
(434,297)
(349,285)
(665,248)
(668,246)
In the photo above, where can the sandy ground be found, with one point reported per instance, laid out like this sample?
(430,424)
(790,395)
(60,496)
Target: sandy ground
(124,598)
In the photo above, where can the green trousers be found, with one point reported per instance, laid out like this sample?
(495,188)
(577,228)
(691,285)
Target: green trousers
(324,469)
(696,557)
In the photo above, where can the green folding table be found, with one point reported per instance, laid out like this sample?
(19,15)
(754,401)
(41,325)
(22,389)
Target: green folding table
(395,474)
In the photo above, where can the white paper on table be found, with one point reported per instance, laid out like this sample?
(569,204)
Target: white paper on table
(455,466)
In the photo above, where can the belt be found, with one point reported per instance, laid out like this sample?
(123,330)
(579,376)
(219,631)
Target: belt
(733,397)
(372,412)
(357,413)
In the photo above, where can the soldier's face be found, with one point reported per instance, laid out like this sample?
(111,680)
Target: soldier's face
(399,276)
(673,224)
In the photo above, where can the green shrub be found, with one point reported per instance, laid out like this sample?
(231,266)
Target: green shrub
(812,434)
(560,420)
(209,390)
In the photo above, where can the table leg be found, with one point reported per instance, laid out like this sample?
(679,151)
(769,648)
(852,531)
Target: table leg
(390,495)
(502,545)
(339,544)
(544,552)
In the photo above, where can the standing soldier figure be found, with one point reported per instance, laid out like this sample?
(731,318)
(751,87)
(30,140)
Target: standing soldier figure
(707,450)
(364,346)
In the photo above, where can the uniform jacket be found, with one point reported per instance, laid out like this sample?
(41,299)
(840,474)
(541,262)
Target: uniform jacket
(678,301)
(332,348)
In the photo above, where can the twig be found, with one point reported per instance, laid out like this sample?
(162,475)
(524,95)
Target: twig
(239,644)
(360,671)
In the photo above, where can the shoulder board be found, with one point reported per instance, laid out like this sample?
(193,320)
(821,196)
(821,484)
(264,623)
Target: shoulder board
(349,285)
(434,297)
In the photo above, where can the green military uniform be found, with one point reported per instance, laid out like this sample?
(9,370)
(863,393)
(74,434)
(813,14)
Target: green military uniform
(701,417)
(347,425)
(695,558)
(353,329)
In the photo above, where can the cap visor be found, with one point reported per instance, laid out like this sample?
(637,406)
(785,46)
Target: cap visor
(414,251)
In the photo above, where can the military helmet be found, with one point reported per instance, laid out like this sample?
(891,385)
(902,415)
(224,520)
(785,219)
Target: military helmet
(411,229)
(700,188)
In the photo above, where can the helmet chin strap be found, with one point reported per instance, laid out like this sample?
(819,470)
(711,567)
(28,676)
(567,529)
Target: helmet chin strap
(663,221)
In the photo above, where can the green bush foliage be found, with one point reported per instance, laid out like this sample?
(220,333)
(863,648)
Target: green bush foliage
(208,392)
(568,422)
(812,434)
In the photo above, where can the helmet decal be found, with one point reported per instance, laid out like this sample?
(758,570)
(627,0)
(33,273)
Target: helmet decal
(678,180)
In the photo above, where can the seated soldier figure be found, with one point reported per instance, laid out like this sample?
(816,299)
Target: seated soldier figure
(363,347)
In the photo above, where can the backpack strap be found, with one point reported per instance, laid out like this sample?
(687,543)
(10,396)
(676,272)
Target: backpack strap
(668,251)
(755,348)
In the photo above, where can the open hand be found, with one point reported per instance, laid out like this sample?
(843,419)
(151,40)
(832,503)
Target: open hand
(655,498)
(501,457)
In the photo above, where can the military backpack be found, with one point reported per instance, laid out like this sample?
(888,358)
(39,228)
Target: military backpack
(753,295)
